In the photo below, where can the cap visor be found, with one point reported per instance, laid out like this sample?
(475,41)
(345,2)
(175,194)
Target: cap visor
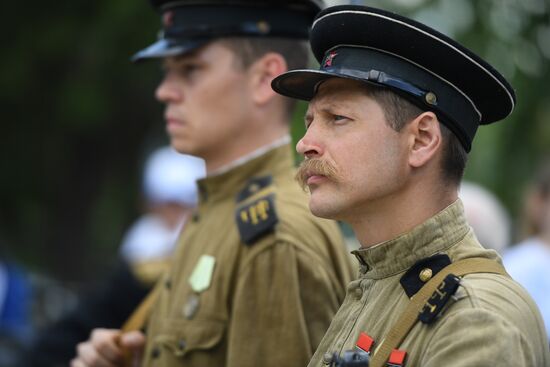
(300,84)
(166,48)
(303,84)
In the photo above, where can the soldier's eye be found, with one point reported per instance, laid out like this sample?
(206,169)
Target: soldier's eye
(188,70)
(307,121)
(339,118)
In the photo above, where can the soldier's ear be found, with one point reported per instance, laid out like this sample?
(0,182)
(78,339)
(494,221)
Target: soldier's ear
(262,72)
(425,139)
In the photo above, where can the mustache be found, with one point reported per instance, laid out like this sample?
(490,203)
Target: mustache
(315,167)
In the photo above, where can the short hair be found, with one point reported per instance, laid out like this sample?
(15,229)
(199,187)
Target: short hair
(399,111)
(249,49)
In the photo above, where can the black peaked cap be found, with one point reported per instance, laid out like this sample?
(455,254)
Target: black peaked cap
(188,24)
(428,68)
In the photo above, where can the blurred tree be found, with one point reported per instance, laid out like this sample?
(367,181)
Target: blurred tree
(76,115)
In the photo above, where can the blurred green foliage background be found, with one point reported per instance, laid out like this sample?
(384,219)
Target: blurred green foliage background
(79,118)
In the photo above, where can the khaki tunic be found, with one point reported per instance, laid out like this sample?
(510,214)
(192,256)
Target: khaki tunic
(269,302)
(492,321)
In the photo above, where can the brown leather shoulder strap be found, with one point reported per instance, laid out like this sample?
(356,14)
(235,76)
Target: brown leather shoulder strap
(408,318)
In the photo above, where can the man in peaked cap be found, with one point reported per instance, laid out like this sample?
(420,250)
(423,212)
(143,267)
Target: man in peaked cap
(256,279)
(392,114)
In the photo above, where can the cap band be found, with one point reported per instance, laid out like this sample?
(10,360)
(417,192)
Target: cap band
(187,26)
(191,22)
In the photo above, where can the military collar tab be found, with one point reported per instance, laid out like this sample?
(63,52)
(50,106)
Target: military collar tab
(436,235)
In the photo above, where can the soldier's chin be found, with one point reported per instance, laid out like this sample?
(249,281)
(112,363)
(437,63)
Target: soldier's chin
(322,209)
(178,146)
(182,146)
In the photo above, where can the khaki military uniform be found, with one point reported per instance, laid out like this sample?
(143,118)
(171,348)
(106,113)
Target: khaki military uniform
(256,279)
(491,321)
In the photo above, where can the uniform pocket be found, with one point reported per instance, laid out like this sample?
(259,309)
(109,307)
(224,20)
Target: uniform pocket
(182,337)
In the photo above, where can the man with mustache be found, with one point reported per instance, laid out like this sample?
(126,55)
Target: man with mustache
(256,279)
(393,111)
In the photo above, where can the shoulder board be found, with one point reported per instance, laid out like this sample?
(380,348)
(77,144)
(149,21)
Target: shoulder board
(439,298)
(255,213)
(421,272)
(255,186)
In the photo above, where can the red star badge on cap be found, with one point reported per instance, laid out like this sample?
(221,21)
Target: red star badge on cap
(329,58)
(168,18)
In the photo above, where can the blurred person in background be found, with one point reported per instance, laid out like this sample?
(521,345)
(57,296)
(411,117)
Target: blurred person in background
(15,311)
(170,190)
(169,196)
(528,262)
(487,216)
(256,278)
